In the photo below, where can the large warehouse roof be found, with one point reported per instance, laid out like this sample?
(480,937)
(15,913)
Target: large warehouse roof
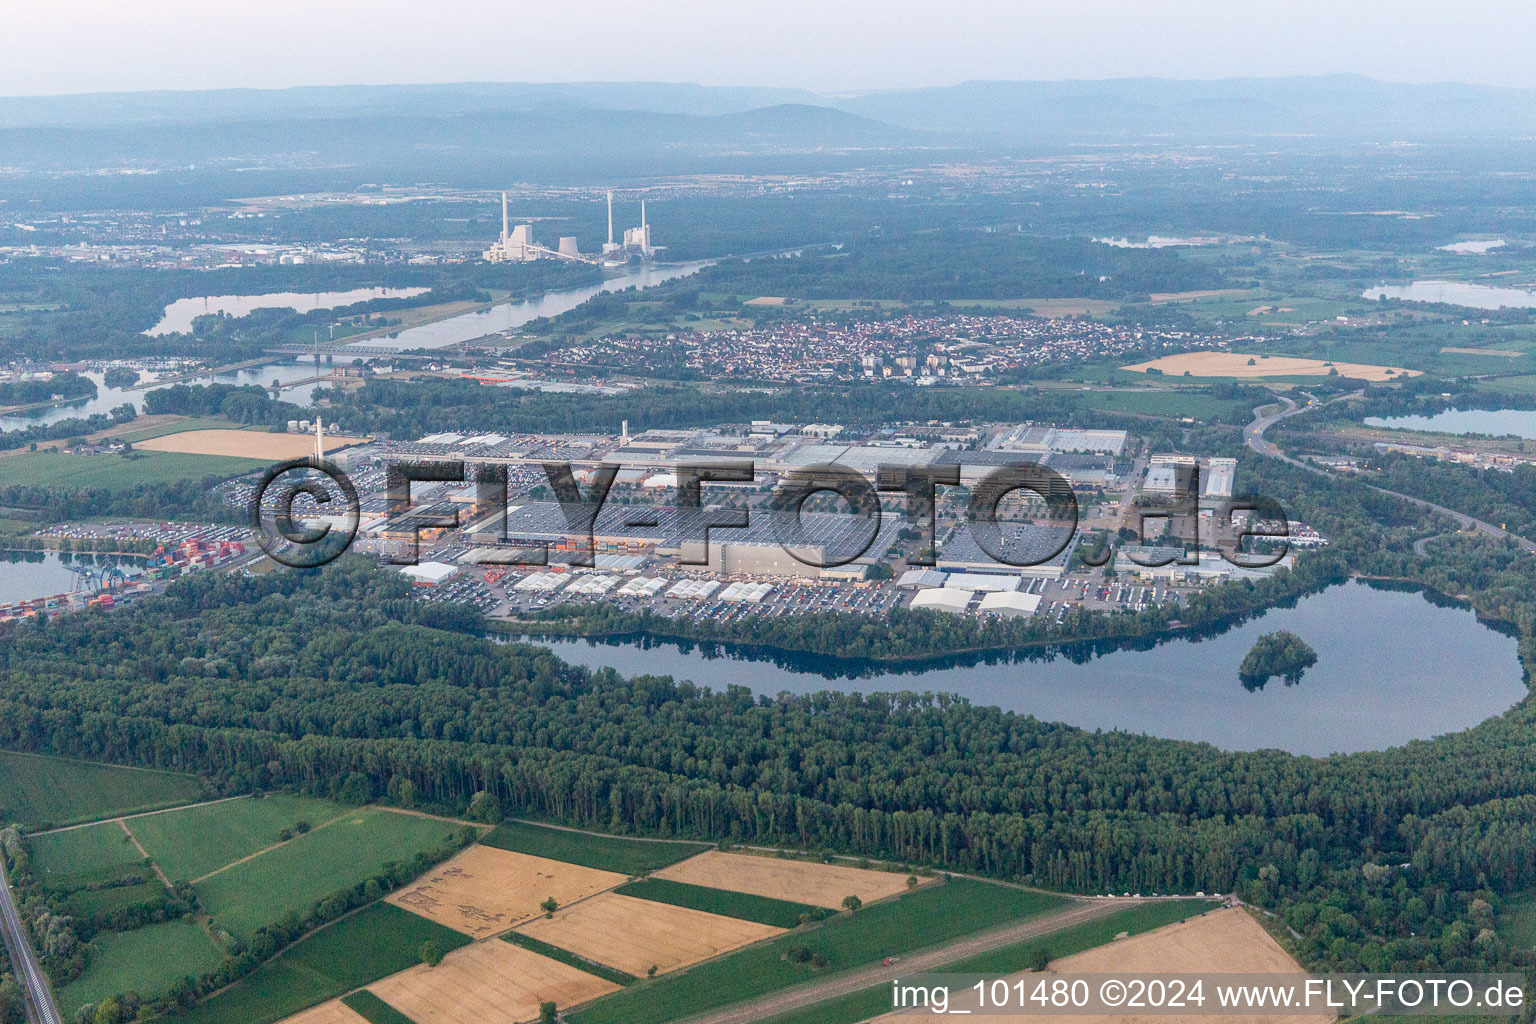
(942,600)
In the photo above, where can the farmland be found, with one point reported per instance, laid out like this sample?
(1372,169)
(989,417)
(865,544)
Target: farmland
(746,906)
(117,472)
(38,791)
(822,885)
(932,914)
(369,945)
(486,890)
(93,851)
(292,877)
(606,853)
(1242,365)
(190,843)
(1223,941)
(487,983)
(368,1007)
(869,1002)
(243,444)
(145,960)
(637,936)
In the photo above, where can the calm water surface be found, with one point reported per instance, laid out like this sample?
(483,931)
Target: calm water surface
(27,576)
(1497,422)
(1458,293)
(510,315)
(1392,667)
(180,314)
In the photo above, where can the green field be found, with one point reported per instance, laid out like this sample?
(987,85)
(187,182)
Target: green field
(87,904)
(608,853)
(1169,403)
(97,851)
(570,959)
(324,862)
(190,843)
(375,1010)
(930,915)
(38,791)
(871,1002)
(355,951)
(743,905)
(147,961)
(117,472)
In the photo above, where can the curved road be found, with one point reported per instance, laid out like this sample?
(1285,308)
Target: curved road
(1253,436)
(35,997)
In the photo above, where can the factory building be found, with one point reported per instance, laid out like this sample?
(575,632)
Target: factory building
(753,559)
(514,245)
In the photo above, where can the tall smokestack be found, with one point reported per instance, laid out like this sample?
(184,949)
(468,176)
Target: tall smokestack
(319,439)
(645,232)
(610,216)
(503,218)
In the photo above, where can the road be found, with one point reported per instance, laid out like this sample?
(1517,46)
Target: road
(1253,436)
(775,1003)
(35,997)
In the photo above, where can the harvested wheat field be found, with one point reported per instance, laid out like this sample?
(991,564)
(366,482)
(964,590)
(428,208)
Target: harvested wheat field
(483,890)
(633,934)
(245,444)
(1235,364)
(333,1012)
(487,983)
(821,885)
(1221,942)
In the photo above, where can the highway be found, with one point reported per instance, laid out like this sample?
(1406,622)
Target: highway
(1253,435)
(36,998)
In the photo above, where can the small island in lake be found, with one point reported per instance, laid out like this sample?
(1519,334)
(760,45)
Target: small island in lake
(1281,653)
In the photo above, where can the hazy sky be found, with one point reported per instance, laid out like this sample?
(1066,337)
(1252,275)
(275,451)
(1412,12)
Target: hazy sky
(54,46)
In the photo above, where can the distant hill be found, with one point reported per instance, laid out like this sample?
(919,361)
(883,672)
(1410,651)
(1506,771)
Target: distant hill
(1329,104)
(655,127)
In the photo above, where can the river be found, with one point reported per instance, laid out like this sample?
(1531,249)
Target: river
(1392,667)
(510,315)
(179,315)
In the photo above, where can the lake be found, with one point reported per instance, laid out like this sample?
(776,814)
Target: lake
(1457,293)
(1404,668)
(24,576)
(179,315)
(511,315)
(1495,422)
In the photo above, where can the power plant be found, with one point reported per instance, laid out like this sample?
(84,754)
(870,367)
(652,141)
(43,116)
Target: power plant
(516,244)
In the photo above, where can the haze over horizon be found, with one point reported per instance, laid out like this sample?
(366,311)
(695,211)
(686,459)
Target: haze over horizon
(854,46)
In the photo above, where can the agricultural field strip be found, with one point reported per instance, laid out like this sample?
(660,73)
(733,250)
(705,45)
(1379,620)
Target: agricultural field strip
(822,885)
(145,854)
(503,881)
(632,934)
(129,817)
(487,983)
(852,981)
(269,849)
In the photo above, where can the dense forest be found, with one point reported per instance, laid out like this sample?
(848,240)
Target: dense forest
(64,385)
